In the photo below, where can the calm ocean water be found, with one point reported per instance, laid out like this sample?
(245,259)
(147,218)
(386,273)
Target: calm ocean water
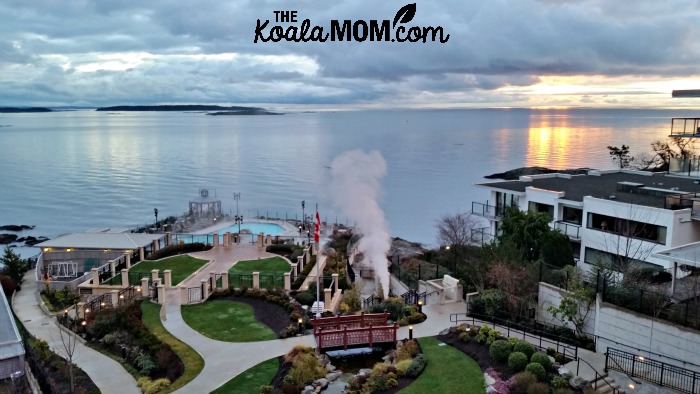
(73,171)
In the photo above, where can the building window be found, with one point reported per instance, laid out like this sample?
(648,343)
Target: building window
(538,207)
(627,228)
(598,257)
(572,215)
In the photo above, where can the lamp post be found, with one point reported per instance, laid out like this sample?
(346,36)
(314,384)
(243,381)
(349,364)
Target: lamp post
(238,218)
(303,218)
(155,212)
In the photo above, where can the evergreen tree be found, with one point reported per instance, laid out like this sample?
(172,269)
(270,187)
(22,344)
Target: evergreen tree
(14,266)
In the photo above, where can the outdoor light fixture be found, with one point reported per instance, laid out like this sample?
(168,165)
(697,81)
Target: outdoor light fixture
(420,306)
(631,386)
(102,304)
(301,321)
(410,332)
(84,322)
(640,358)
(121,296)
(87,310)
(138,288)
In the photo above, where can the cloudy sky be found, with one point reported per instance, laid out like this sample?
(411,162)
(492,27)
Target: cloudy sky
(512,53)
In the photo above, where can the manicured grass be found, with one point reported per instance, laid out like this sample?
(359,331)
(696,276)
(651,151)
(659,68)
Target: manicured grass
(182,266)
(251,380)
(269,266)
(150,314)
(227,321)
(448,371)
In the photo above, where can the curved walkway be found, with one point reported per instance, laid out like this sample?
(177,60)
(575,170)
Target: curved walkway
(107,374)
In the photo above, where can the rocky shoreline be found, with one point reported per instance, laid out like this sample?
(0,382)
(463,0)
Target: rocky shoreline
(514,174)
(9,238)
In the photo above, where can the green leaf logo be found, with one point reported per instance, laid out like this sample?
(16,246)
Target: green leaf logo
(406,14)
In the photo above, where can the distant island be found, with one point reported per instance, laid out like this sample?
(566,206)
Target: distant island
(13,110)
(177,108)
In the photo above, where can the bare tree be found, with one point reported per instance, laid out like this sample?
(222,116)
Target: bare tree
(627,238)
(675,147)
(457,229)
(69,341)
(517,284)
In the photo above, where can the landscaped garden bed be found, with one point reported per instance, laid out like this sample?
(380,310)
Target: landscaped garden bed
(181,266)
(57,300)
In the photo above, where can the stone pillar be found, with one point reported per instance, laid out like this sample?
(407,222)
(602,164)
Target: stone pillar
(184,296)
(125,277)
(144,287)
(327,298)
(215,241)
(212,280)
(80,311)
(113,268)
(115,297)
(307,255)
(127,260)
(224,280)
(256,280)
(295,269)
(168,278)
(205,292)
(156,246)
(154,275)
(335,282)
(95,276)
(287,281)
(268,239)
(227,239)
(161,293)
(141,257)
(300,263)
(261,240)
(168,238)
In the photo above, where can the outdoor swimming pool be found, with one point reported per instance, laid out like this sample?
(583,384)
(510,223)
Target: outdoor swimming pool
(255,228)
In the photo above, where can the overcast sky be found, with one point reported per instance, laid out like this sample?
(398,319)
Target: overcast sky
(512,53)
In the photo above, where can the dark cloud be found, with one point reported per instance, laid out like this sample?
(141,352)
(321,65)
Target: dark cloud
(110,52)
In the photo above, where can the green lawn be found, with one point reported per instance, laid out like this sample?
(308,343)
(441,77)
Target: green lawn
(182,266)
(251,380)
(269,266)
(448,371)
(150,315)
(227,321)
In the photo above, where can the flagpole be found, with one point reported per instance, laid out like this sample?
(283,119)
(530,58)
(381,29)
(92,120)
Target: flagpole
(318,265)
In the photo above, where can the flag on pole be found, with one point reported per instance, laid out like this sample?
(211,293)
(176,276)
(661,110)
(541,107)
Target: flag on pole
(317,230)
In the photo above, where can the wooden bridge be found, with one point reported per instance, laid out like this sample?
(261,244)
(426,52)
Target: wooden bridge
(354,330)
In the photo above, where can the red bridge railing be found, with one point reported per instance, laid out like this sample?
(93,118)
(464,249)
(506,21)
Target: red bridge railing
(344,331)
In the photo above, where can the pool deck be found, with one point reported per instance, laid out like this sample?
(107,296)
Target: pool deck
(290,230)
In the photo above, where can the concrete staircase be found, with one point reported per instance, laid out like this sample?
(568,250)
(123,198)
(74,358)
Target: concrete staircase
(606,385)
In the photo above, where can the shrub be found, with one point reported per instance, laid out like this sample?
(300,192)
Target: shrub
(480,337)
(394,306)
(175,249)
(407,351)
(551,351)
(541,358)
(562,391)
(376,382)
(149,386)
(384,368)
(145,364)
(289,388)
(296,351)
(416,367)
(42,349)
(517,361)
(305,298)
(267,389)
(523,380)
(560,358)
(524,347)
(402,366)
(280,249)
(559,383)
(306,368)
(493,336)
(538,388)
(500,350)
(513,341)
(464,337)
(536,369)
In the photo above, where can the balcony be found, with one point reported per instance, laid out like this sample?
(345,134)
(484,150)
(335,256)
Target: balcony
(573,231)
(685,201)
(487,210)
(685,127)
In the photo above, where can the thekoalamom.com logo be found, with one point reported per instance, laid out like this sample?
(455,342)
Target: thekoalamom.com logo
(347,30)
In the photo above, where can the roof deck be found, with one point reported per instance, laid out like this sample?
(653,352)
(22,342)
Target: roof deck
(685,127)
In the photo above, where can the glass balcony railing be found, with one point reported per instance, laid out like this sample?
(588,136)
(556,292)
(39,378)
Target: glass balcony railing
(571,230)
(487,210)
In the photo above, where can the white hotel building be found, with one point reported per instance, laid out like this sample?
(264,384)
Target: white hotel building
(656,212)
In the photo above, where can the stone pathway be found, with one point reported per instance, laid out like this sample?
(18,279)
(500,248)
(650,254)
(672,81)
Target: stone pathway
(108,375)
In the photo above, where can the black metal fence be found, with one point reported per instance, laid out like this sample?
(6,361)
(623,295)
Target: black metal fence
(555,276)
(665,375)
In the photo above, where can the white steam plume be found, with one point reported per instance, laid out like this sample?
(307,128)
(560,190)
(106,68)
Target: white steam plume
(355,189)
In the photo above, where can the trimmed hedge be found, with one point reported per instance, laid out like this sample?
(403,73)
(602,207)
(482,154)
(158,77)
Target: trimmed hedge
(536,369)
(176,249)
(524,347)
(517,361)
(500,350)
(541,358)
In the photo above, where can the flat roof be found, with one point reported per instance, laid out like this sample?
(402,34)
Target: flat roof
(576,187)
(687,254)
(91,240)
(10,340)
